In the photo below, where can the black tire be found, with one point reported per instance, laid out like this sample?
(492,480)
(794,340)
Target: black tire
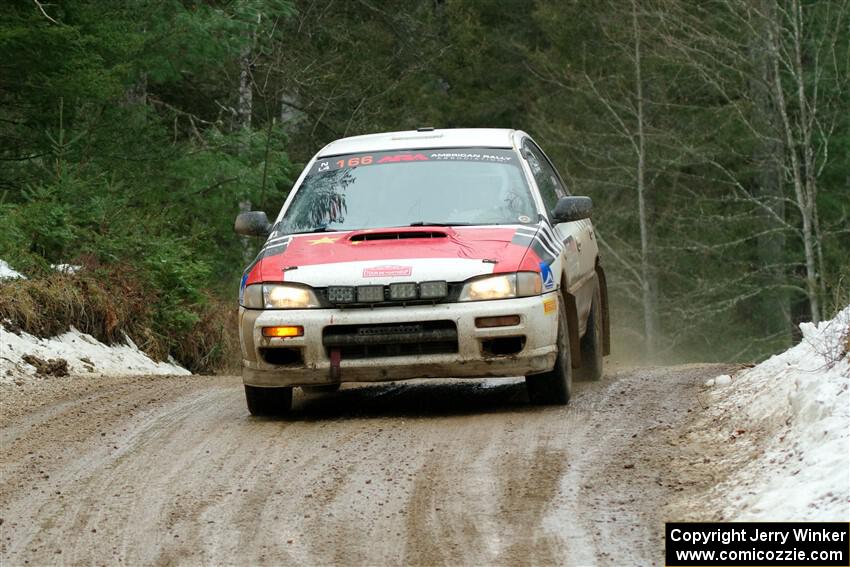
(268,401)
(592,343)
(554,387)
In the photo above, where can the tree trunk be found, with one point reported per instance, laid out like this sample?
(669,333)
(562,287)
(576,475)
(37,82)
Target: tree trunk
(807,119)
(774,311)
(245,99)
(138,92)
(647,292)
(244,112)
(802,194)
(290,116)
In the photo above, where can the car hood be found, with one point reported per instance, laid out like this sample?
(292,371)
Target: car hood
(381,256)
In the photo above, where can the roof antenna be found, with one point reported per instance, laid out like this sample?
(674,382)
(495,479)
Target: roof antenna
(425,129)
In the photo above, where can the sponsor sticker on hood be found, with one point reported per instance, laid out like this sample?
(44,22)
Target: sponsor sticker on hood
(387,271)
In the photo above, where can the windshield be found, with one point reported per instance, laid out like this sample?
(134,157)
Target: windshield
(467,186)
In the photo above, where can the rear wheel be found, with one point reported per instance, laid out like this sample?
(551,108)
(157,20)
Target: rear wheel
(268,401)
(591,343)
(554,387)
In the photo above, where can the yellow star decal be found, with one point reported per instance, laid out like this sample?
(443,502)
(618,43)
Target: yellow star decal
(324,240)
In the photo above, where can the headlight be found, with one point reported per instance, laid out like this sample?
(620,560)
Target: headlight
(252,297)
(287,296)
(279,296)
(491,287)
(521,284)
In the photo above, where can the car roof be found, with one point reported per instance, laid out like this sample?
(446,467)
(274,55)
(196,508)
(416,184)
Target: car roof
(422,139)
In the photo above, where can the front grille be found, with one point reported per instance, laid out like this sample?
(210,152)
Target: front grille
(402,339)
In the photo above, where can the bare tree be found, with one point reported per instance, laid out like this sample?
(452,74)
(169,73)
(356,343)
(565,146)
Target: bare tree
(647,295)
(624,124)
(772,73)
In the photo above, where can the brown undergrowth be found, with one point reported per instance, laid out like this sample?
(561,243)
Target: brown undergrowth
(111,303)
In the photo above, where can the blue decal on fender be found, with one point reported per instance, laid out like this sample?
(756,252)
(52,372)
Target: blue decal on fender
(242,287)
(546,275)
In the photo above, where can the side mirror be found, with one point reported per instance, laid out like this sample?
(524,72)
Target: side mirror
(571,209)
(253,223)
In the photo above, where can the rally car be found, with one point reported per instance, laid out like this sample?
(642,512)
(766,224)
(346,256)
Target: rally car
(423,254)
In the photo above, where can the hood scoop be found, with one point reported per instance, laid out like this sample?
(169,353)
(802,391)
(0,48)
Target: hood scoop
(397,235)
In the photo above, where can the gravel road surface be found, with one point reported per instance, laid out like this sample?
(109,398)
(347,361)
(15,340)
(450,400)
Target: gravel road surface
(173,470)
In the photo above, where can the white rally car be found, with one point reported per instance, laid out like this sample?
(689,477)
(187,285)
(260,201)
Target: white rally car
(423,254)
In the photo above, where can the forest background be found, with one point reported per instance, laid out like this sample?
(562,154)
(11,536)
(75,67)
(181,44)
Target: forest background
(713,137)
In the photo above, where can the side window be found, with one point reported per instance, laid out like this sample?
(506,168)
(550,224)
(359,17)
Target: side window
(547,180)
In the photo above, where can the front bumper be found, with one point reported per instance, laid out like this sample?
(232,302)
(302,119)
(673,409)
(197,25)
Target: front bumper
(538,326)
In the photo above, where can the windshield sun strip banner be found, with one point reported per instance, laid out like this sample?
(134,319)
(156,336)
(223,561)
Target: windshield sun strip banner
(368,159)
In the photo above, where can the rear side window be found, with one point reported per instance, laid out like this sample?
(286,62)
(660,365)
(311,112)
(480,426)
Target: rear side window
(545,176)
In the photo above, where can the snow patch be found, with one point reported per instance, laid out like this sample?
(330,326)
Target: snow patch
(84,354)
(69,269)
(722,380)
(798,405)
(7,273)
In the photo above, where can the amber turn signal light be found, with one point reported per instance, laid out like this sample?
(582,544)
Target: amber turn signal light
(288,331)
(503,321)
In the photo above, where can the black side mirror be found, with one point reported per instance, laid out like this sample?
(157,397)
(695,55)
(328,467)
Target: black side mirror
(253,223)
(571,209)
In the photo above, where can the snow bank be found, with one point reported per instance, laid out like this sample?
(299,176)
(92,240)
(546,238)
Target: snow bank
(7,273)
(84,354)
(798,407)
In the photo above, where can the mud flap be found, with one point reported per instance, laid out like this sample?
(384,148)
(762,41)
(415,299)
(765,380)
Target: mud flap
(606,315)
(336,372)
(572,329)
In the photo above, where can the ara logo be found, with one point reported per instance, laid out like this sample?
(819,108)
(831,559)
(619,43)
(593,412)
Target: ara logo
(324,166)
(402,157)
(546,275)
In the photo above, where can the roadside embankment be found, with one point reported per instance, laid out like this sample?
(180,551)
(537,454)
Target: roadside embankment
(776,436)
(110,319)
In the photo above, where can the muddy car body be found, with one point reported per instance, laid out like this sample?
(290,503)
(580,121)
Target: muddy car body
(429,253)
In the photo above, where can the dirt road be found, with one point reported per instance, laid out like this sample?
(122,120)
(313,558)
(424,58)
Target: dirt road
(171,470)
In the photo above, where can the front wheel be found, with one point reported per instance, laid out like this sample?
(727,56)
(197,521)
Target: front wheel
(554,387)
(268,401)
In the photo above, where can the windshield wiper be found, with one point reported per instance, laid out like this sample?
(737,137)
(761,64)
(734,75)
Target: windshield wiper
(324,229)
(423,223)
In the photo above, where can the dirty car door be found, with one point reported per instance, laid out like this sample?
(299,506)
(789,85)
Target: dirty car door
(579,242)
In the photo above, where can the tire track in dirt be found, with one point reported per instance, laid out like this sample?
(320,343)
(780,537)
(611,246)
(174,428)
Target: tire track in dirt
(173,471)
